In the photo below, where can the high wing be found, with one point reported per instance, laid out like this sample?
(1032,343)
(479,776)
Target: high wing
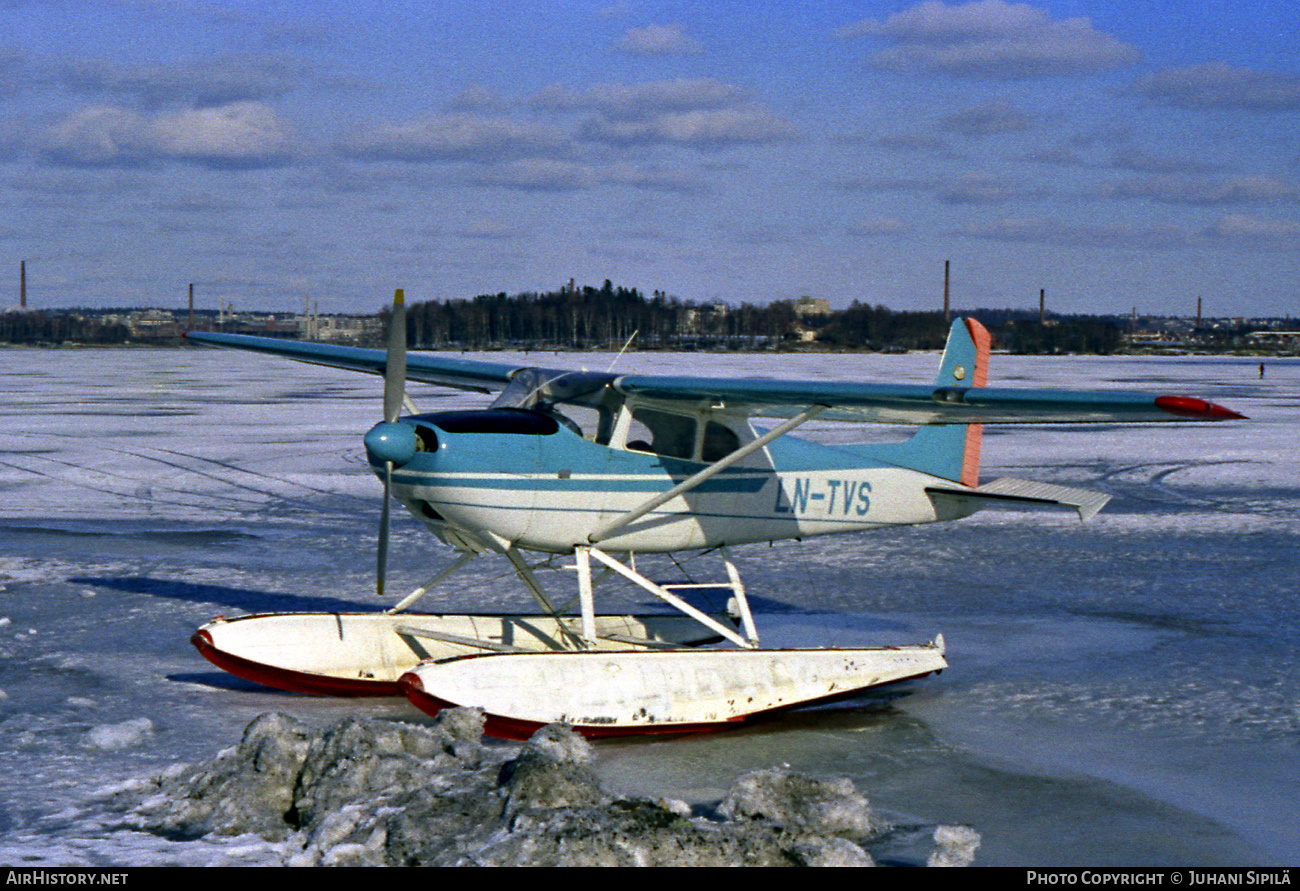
(920,404)
(851,401)
(461,374)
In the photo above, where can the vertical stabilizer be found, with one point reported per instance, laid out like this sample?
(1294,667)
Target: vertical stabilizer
(952,451)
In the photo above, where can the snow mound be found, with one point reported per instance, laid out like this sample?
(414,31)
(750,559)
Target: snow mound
(373,792)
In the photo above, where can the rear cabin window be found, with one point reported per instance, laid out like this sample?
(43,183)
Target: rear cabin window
(662,433)
(719,442)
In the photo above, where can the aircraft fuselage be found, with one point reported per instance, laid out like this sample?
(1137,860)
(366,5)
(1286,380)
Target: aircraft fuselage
(551,489)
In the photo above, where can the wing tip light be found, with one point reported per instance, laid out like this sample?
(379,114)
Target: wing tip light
(1191,407)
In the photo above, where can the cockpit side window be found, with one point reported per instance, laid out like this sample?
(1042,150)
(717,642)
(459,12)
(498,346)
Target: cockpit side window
(662,433)
(589,422)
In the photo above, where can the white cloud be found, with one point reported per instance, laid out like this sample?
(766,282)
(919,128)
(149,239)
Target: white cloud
(981,188)
(563,141)
(205,82)
(560,176)
(1219,85)
(991,38)
(535,174)
(913,143)
(1239,227)
(1084,235)
(95,136)
(241,133)
(478,99)
(654,179)
(1059,155)
(987,120)
(658,40)
(238,134)
(1200,190)
(1145,162)
(697,112)
(644,99)
(704,128)
(460,137)
(878,228)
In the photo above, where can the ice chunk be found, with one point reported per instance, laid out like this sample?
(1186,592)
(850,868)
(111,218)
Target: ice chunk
(954,846)
(111,737)
(382,761)
(552,772)
(247,789)
(376,792)
(826,807)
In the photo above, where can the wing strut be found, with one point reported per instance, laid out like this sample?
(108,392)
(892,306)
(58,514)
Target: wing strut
(424,589)
(707,473)
(525,573)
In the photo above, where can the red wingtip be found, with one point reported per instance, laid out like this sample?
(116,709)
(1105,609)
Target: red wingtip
(1191,407)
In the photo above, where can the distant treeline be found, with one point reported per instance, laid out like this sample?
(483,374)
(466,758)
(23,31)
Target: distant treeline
(587,318)
(33,328)
(594,318)
(607,317)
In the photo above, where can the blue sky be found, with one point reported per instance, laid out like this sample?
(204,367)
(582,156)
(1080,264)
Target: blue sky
(1118,155)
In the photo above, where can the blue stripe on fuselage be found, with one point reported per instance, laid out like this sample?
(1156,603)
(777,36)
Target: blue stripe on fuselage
(647,483)
(564,462)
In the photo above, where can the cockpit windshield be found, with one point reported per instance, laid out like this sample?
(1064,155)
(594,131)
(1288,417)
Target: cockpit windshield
(581,400)
(536,387)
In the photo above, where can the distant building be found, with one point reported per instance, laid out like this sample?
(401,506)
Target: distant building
(1274,338)
(152,324)
(346,329)
(812,306)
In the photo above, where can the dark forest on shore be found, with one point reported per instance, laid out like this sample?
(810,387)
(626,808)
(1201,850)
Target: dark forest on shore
(590,318)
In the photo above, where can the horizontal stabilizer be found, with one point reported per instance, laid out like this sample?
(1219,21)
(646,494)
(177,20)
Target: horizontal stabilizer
(1009,492)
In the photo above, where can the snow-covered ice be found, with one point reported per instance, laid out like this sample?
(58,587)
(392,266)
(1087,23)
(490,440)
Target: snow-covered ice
(1120,692)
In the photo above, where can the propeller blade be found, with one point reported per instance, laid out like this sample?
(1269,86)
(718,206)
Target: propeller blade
(395,365)
(381,570)
(394,396)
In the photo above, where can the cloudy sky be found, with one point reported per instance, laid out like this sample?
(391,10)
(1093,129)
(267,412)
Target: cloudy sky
(1117,153)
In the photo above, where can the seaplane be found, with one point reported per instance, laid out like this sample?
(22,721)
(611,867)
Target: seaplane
(598,468)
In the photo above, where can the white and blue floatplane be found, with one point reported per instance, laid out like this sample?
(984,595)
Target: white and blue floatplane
(600,467)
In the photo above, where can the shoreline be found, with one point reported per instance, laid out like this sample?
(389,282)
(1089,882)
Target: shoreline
(802,350)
